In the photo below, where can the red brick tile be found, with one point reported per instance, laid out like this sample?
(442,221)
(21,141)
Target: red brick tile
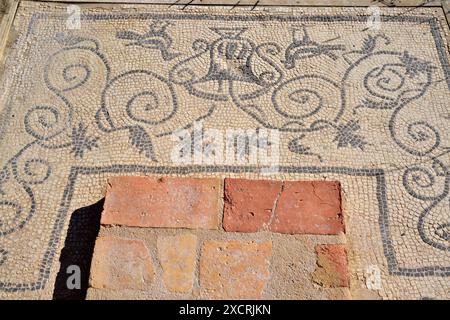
(234,269)
(249,203)
(309,207)
(332,268)
(120,263)
(168,202)
(177,256)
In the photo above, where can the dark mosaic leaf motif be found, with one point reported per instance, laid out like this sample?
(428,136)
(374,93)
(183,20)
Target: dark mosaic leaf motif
(368,45)
(296,146)
(414,66)
(443,231)
(142,141)
(347,136)
(440,169)
(81,141)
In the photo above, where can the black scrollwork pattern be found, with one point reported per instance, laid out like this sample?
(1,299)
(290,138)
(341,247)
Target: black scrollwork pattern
(52,127)
(297,106)
(240,71)
(431,184)
(393,85)
(265,81)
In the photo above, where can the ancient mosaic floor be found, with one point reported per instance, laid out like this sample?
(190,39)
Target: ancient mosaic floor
(369,108)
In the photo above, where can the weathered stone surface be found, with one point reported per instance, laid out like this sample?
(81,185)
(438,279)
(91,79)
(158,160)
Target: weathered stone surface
(234,269)
(165,202)
(312,207)
(121,264)
(249,204)
(178,258)
(294,207)
(332,269)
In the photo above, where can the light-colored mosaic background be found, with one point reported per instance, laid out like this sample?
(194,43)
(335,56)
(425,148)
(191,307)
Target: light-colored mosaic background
(367,107)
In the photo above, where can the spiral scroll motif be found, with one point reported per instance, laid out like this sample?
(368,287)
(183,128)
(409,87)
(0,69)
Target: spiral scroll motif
(385,81)
(150,100)
(432,185)
(419,139)
(66,70)
(44,122)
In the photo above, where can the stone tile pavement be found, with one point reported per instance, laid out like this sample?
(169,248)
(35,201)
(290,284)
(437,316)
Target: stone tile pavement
(285,244)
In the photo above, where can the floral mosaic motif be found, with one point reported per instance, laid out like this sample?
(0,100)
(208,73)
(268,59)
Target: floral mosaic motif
(81,141)
(142,141)
(443,231)
(415,66)
(347,135)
